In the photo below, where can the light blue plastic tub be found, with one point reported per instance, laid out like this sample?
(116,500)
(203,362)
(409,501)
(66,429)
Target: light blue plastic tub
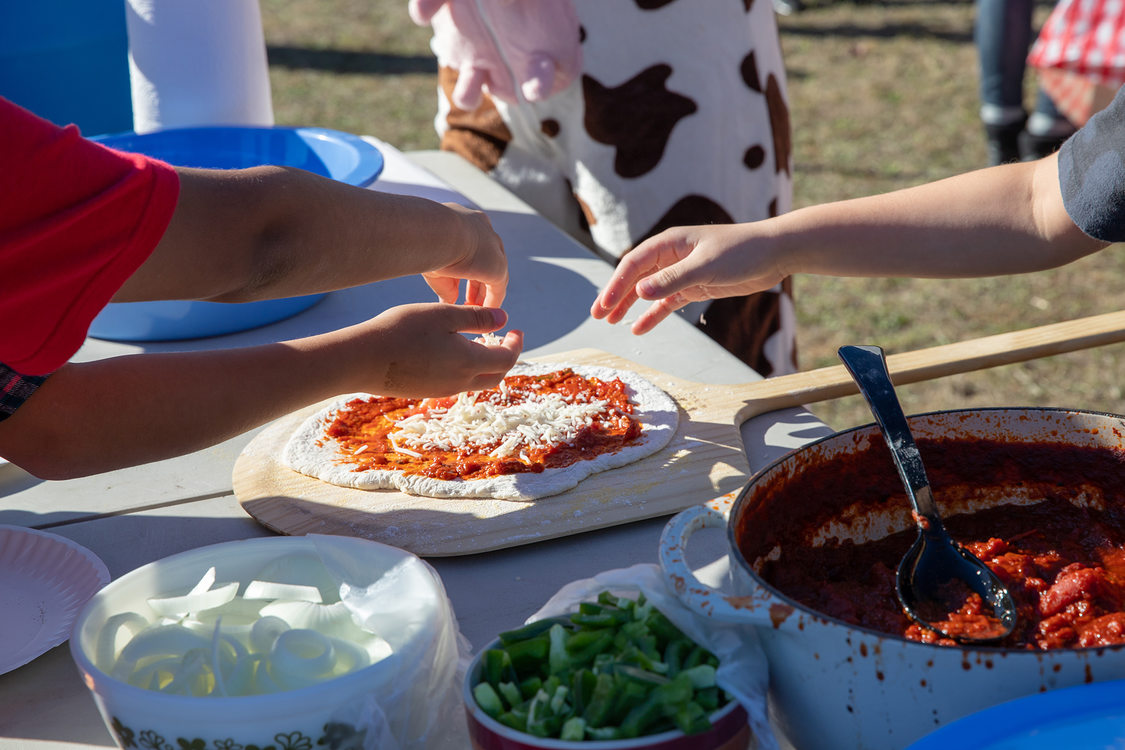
(330,153)
(1085,716)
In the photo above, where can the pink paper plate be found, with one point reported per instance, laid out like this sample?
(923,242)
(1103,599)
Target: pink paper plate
(45,579)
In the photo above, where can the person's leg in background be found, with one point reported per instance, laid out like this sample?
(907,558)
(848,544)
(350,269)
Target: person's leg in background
(1003,34)
(1046,129)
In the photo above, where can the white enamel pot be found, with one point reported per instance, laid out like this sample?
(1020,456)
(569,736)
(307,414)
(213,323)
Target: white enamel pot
(836,685)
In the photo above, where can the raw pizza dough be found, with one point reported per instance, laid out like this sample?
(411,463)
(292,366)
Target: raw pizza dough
(310,453)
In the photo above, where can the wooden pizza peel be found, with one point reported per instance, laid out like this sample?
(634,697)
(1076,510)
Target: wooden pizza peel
(704,459)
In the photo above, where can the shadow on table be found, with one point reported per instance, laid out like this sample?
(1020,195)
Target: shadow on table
(72,716)
(13,479)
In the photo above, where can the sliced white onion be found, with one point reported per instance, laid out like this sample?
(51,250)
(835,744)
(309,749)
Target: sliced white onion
(105,653)
(217,658)
(205,583)
(288,630)
(303,568)
(194,602)
(290,591)
(330,619)
(301,657)
(236,645)
(265,632)
(240,680)
(154,643)
(156,674)
(237,611)
(349,656)
(263,682)
(191,678)
(237,615)
(378,649)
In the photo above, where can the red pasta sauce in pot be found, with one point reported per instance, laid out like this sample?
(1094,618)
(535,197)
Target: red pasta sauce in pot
(1062,557)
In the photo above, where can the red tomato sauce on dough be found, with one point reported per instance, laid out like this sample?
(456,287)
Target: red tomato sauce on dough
(1063,557)
(369,422)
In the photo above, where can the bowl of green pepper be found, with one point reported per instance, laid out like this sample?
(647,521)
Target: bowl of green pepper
(616,674)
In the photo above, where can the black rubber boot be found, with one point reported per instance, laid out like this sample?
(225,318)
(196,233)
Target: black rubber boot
(1033,147)
(1004,142)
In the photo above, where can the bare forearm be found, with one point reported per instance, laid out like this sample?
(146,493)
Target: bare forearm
(997,221)
(276,232)
(341,237)
(99,416)
(93,417)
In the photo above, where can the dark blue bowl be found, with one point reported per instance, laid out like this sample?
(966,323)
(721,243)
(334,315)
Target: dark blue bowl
(329,153)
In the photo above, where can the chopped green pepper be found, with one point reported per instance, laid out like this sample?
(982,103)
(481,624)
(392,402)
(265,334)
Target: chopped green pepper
(516,719)
(573,728)
(497,666)
(584,645)
(510,693)
(708,698)
(691,719)
(558,699)
(616,668)
(488,700)
(530,630)
(530,686)
(525,655)
(601,702)
(541,721)
(582,689)
(557,658)
(701,676)
(602,733)
(629,696)
(642,716)
(675,653)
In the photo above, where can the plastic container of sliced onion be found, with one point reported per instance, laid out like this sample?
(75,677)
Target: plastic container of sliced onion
(320,640)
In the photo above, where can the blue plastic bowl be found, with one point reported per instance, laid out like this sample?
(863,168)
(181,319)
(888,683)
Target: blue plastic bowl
(330,153)
(1084,716)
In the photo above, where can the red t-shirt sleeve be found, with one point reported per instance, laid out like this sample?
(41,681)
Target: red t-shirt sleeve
(76,220)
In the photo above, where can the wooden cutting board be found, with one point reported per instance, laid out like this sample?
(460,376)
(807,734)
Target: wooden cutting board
(704,459)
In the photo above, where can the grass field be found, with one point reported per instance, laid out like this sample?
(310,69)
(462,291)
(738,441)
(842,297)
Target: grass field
(883,95)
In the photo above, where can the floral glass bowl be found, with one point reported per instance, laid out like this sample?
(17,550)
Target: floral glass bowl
(343,712)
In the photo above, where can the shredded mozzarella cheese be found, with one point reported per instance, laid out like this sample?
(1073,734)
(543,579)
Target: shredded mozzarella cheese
(399,449)
(542,420)
(489,339)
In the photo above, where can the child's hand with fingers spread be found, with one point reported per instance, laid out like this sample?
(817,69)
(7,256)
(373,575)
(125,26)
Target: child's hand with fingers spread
(687,264)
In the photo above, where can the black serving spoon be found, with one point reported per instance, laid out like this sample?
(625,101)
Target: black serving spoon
(933,574)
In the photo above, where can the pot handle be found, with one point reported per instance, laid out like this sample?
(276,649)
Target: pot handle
(681,579)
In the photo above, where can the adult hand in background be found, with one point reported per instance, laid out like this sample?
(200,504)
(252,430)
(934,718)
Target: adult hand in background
(505,47)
